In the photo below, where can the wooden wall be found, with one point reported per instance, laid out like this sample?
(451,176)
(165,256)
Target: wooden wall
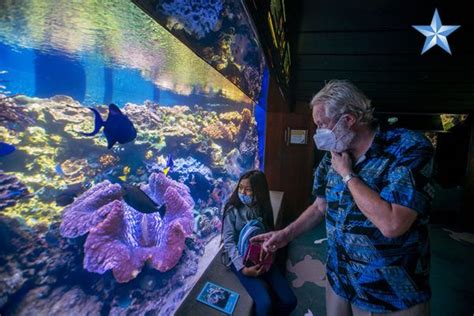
(289,168)
(467,215)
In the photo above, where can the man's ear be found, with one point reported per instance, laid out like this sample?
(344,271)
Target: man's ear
(351,120)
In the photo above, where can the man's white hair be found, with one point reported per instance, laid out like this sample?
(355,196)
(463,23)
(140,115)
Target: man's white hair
(341,97)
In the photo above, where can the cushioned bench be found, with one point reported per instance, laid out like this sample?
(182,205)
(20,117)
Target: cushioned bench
(219,274)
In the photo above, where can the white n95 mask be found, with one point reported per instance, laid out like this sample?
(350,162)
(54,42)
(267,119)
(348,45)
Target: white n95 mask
(336,139)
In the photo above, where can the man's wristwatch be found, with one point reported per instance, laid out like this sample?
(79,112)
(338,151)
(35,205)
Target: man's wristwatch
(349,177)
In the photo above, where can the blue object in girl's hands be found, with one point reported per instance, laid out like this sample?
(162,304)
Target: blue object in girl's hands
(252,228)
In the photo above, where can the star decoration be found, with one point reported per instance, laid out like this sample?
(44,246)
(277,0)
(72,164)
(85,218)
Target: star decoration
(436,33)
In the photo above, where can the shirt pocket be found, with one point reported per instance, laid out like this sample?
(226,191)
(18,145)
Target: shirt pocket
(374,173)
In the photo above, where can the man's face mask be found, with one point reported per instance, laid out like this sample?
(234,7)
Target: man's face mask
(336,139)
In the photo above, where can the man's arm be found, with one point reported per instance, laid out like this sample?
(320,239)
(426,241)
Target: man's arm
(384,209)
(312,216)
(392,220)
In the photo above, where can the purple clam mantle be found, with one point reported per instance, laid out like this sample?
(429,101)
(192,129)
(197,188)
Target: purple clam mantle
(89,209)
(122,239)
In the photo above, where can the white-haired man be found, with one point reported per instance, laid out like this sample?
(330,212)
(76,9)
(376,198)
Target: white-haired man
(373,188)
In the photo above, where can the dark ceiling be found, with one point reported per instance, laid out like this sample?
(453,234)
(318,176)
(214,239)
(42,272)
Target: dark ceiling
(373,44)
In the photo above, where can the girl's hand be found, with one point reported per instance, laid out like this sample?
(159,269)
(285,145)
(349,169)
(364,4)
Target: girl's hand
(253,271)
(272,241)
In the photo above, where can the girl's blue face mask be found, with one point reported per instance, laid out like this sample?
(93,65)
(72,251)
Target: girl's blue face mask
(246,199)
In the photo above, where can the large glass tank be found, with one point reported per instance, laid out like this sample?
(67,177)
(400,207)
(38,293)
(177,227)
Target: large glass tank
(110,209)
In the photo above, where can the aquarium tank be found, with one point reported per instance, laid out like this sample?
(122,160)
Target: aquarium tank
(122,134)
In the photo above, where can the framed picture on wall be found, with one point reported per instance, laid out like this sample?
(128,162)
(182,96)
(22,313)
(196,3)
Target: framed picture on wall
(297,136)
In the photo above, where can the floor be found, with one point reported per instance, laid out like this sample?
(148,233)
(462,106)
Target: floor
(452,272)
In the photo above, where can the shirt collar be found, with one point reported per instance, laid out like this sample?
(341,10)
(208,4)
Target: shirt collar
(376,148)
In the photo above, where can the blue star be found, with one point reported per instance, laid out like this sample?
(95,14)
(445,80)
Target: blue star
(436,33)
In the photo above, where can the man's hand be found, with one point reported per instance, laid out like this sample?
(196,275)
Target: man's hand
(341,163)
(253,271)
(272,241)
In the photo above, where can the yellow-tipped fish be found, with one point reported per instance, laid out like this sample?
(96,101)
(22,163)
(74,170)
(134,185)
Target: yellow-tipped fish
(169,165)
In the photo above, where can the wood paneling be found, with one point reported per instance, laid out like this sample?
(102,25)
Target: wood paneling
(288,167)
(467,215)
(375,46)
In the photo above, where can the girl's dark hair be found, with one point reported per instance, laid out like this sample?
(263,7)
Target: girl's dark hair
(261,196)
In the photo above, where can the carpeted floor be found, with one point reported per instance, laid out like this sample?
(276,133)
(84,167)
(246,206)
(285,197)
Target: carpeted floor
(452,272)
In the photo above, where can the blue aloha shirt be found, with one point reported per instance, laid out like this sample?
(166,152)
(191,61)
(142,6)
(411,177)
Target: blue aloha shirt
(373,272)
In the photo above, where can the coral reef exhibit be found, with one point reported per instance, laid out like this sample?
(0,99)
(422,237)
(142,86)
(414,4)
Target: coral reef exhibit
(220,32)
(119,144)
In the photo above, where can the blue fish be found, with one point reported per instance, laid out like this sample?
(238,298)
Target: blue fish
(6,149)
(169,165)
(117,127)
(65,199)
(59,170)
(67,196)
(140,201)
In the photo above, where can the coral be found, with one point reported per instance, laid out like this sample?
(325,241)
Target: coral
(162,127)
(253,78)
(450,120)
(74,300)
(34,211)
(36,135)
(64,109)
(235,117)
(33,258)
(11,190)
(232,163)
(223,59)
(433,137)
(11,281)
(197,17)
(9,136)
(219,130)
(234,128)
(11,113)
(74,170)
(249,144)
(246,117)
(207,222)
(108,160)
(122,239)
(149,154)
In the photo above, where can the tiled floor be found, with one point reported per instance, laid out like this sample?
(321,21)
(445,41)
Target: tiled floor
(452,272)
